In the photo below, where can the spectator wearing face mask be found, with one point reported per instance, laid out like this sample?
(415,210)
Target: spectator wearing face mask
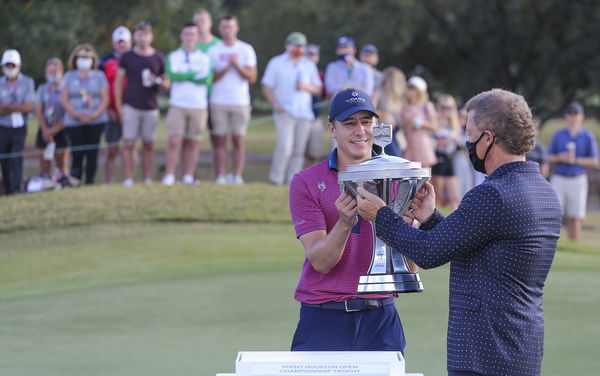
(121,40)
(51,136)
(347,72)
(85,98)
(16,102)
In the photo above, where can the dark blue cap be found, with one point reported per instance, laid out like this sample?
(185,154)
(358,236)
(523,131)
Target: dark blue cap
(345,41)
(574,107)
(348,102)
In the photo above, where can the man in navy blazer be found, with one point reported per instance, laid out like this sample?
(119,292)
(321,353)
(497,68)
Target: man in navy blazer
(500,242)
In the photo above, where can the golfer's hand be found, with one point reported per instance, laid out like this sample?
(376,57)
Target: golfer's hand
(368,204)
(346,208)
(423,204)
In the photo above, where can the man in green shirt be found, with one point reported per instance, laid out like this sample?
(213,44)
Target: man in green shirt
(206,39)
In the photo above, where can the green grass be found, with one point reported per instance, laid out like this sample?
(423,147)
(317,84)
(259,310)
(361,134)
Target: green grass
(182,298)
(117,204)
(155,280)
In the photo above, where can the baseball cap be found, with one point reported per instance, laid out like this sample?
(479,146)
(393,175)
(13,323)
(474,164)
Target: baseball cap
(312,49)
(348,102)
(121,33)
(296,38)
(345,41)
(418,83)
(369,48)
(11,57)
(574,107)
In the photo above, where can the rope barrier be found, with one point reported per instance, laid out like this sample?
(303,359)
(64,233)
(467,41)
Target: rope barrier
(99,146)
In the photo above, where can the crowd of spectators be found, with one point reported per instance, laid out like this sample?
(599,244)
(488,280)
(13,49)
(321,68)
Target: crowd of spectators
(208,79)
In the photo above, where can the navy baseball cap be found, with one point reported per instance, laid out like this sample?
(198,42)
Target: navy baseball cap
(574,107)
(369,48)
(348,102)
(345,41)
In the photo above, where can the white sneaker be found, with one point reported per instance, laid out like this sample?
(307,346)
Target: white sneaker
(169,180)
(148,181)
(237,180)
(221,180)
(127,182)
(188,179)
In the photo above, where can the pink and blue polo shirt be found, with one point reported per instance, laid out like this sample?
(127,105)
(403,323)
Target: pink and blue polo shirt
(313,193)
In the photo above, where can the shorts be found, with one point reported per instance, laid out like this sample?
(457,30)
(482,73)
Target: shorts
(60,139)
(444,165)
(232,119)
(188,123)
(572,193)
(314,148)
(113,132)
(139,123)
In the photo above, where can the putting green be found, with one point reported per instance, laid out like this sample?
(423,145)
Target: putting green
(182,299)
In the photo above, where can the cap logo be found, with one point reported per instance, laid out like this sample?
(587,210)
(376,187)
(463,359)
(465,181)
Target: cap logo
(354,94)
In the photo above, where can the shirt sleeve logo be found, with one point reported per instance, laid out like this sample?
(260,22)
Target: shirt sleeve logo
(321,186)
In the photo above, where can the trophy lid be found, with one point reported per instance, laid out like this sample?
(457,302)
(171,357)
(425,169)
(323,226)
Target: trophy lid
(384,162)
(384,167)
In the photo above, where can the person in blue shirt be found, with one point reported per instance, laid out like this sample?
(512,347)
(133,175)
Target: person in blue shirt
(500,241)
(574,150)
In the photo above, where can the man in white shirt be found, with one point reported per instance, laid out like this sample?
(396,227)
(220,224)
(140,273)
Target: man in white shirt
(190,72)
(235,69)
(289,82)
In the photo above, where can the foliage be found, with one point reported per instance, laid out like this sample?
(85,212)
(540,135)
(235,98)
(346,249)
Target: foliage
(546,50)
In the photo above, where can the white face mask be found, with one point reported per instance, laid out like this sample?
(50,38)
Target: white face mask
(84,63)
(54,79)
(10,72)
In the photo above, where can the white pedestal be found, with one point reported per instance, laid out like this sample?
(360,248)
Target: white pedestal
(319,363)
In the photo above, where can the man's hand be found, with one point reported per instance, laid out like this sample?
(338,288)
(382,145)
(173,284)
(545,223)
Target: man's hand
(119,111)
(46,132)
(233,60)
(346,208)
(368,204)
(84,118)
(567,157)
(423,204)
(278,109)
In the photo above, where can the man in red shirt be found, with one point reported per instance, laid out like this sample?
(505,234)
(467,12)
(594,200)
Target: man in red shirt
(121,39)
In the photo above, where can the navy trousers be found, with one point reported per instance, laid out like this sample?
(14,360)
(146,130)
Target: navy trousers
(337,330)
(12,141)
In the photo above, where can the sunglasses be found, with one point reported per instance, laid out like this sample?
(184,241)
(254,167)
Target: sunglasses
(446,107)
(572,112)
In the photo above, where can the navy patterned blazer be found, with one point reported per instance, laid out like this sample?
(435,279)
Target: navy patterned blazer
(500,242)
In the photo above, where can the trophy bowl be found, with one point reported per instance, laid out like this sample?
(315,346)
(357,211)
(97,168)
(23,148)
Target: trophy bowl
(396,181)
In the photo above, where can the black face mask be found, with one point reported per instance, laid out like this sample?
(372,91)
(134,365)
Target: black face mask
(478,163)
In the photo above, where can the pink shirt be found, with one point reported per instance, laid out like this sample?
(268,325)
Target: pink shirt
(312,204)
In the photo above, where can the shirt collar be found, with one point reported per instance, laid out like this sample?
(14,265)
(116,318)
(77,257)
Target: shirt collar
(332,159)
(520,166)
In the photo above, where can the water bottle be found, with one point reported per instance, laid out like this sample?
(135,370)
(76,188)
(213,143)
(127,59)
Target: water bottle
(571,148)
(49,151)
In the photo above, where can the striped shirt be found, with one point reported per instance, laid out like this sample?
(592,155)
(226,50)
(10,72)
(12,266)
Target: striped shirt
(313,193)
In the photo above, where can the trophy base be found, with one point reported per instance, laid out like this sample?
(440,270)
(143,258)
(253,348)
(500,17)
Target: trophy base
(389,283)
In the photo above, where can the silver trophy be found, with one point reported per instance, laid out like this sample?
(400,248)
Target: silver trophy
(396,181)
